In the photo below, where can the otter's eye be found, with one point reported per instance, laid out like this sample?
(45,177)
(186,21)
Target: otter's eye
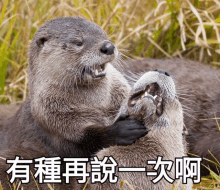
(79,43)
(41,41)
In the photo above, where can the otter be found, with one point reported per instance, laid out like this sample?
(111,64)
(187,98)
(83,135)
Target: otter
(75,95)
(153,100)
(7,111)
(198,90)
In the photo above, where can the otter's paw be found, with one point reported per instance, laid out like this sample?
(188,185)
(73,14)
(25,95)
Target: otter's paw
(127,131)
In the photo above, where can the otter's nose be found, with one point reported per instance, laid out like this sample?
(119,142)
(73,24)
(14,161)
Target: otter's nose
(107,48)
(162,71)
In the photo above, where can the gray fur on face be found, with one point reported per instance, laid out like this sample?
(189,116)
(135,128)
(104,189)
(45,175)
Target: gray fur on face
(168,91)
(67,48)
(166,84)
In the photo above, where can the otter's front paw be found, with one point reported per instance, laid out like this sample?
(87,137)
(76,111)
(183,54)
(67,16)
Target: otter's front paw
(127,131)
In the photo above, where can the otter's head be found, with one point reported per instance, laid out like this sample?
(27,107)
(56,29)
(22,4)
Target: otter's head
(69,51)
(153,100)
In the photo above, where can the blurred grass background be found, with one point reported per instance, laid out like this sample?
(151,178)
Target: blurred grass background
(140,28)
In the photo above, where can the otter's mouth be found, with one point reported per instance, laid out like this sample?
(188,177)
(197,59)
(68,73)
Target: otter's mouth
(152,91)
(97,71)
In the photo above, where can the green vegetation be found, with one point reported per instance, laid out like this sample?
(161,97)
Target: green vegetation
(140,28)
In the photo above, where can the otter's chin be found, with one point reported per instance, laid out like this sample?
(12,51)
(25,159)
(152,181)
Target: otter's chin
(153,92)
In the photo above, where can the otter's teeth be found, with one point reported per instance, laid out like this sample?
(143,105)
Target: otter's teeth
(96,72)
(144,94)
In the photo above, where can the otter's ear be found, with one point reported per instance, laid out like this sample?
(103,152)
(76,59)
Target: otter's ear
(40,41)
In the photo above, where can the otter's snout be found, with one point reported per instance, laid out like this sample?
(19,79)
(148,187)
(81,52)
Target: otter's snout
(162,71)
(107,48)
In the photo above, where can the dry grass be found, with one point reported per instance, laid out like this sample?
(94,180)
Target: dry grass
(140,28)
(156,28)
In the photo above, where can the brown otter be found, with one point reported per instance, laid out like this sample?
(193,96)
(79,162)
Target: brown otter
(198,90)
(75,94)
(153,100)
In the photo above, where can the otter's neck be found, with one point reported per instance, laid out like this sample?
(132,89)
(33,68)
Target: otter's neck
(170,134)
